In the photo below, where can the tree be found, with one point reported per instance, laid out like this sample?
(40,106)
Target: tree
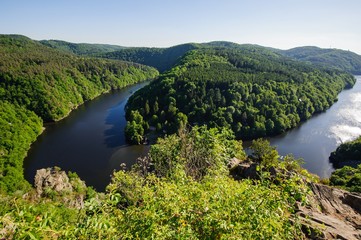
(264,153)
(146,108)
(134,130)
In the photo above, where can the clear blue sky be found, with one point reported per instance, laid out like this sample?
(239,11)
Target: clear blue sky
(160,23)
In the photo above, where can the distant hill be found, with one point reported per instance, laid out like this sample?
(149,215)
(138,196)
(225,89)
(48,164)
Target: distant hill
(165,58)
(52,82)
(344,60)
(81,48)
(160,58)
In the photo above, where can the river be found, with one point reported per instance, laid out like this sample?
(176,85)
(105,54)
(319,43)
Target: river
(316,138)
(90,141)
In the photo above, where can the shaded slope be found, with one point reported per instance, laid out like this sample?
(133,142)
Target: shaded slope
(347,154)
(160,58)
(344,60)
(81,48)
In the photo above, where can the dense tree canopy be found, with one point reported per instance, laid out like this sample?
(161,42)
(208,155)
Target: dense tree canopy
(343,60)
(251,90)
(51,83)
(347,152)
(348,178)
(40,83)
(81,48)
(18,129)
(160,58)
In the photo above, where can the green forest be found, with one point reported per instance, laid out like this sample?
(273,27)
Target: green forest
(81,48)
(52,83)
(19,127)
(348,151)
(37,84)
(160,58)
(347,156)
(348,178)
(207,98)
(251,90)
(340,59)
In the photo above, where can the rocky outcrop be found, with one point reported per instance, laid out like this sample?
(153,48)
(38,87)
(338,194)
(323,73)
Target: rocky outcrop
(54,183)
(244,170)
(331,213)
(51,179)
(241,170)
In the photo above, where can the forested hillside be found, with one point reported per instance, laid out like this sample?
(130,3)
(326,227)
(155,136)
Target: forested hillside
(81,48)
(165,58)
(39,83)
(18,129)
(160,58)
(343,60)
(347,157)
(251,90)
(347,152)
(51,83)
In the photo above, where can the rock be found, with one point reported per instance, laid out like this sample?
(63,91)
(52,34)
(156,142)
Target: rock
(331,214)
(234,162)
(54,183)
(244,170)
(53,179)
(241,170)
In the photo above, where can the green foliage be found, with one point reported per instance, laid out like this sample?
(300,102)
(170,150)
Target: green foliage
(264,153)
(135,127)
(18,129)
(215,208)
(344,60)
(190,195)
(176,203)
(81,48)
(52,83)
(197,152)
(348,178)
(347,152)
(160,58)
(249,89)
(49,84)
(21,219)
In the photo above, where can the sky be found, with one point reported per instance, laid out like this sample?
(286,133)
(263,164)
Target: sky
(280,24)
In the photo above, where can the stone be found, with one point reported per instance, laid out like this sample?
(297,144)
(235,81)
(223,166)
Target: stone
(51,178)
(331,213)
(244,170)
(57,181)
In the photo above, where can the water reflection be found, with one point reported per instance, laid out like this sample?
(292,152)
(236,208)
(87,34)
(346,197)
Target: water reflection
(85,141)
(91,140)
(315,139)
(114,136)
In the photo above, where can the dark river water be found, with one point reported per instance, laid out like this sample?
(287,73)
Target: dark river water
(91,140)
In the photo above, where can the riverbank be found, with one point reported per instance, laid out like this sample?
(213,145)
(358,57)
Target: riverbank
(87,141)
(91,140)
